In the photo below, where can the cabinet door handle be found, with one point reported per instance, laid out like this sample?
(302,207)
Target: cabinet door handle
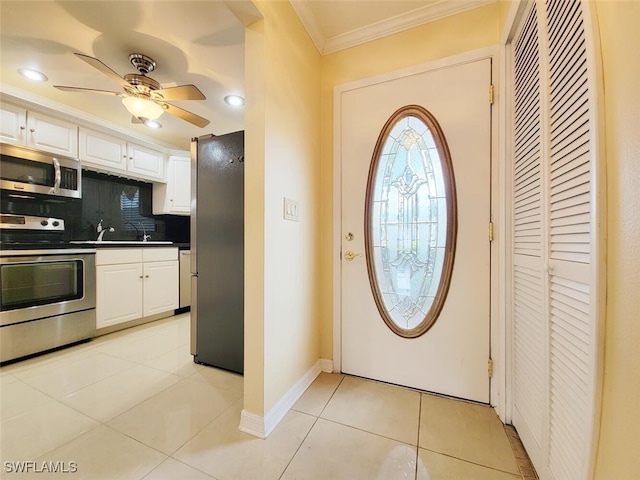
(22,127)
(32,130)
(141,276)
(146,276)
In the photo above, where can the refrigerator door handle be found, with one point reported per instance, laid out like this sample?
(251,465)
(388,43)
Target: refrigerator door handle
(194,206)
(194,315)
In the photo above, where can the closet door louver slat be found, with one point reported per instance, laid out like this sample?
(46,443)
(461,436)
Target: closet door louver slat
(529,335)
(529,360)
(527,155)
(570,201)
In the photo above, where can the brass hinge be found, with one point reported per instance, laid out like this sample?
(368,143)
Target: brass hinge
(490,368)
(491,231)
(491,94)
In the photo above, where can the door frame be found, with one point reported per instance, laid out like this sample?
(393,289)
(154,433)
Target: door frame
(498,334)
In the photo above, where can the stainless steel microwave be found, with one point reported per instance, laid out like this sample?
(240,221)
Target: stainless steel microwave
(31,171)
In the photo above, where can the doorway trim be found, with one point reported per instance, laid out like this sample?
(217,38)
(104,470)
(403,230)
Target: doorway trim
(498,335)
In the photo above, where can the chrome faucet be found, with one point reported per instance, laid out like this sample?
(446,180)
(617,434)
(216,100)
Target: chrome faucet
(100,229)
(145,237)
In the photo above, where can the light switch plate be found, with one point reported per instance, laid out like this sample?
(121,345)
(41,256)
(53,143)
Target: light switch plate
(290,209)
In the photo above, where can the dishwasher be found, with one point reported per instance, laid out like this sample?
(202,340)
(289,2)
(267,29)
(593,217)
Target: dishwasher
(185,278)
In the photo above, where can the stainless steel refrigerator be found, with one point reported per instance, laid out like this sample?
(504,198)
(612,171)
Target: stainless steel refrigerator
(217,251)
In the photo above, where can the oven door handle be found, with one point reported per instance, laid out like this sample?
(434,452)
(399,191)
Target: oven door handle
(56,182)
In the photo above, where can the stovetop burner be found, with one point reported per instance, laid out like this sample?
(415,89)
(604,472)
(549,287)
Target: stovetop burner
(27,231)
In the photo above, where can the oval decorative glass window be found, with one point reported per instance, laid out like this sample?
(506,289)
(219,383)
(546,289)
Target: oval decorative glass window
(410,221)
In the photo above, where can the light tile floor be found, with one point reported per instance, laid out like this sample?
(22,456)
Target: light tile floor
(133,405)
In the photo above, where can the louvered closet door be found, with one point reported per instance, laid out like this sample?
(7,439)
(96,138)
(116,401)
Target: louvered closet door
(571,328)
(528,280)
(554,340)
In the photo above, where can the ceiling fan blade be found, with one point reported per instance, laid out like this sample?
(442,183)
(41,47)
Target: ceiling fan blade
(86,90)
(181,92)
(185,115)
(97,64)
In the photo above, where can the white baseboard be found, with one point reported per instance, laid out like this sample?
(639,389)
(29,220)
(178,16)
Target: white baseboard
(261,427)
(326,365)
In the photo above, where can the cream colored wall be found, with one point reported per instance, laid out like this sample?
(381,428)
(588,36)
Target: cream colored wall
(450,36)
(617,456)
(254,188)
(281,328)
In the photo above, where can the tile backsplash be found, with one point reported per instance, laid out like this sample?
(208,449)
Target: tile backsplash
(125,205)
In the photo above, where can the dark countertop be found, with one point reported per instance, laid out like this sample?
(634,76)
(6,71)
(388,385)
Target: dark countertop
(83,244)
(122,244)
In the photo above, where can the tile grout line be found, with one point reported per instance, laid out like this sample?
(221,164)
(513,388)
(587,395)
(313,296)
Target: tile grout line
(201,429)
(309,432)
(181,462)
(332,395)
(471,462)
(299,446)
(357,428)
(367,431)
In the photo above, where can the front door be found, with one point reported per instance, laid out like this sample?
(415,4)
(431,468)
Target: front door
(451,356)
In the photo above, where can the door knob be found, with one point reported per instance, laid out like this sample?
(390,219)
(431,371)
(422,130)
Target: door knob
(349,255)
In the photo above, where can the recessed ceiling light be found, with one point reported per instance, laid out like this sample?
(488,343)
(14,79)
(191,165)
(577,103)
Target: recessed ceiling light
(152,124)
(33,75)
(234,100)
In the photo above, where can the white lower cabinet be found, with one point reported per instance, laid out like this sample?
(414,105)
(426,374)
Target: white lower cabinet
(161,287)
(133,283)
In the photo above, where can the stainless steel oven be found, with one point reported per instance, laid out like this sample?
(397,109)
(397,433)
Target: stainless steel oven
(47,295)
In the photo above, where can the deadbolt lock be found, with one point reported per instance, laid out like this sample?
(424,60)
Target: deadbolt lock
(348,237)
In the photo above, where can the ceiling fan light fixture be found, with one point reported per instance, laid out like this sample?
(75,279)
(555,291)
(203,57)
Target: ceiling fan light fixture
(142,108)
(33,75)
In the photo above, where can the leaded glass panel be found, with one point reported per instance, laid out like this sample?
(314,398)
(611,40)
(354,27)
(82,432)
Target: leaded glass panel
(411,221)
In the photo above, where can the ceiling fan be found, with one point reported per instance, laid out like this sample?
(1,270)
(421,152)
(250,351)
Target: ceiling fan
(144,97)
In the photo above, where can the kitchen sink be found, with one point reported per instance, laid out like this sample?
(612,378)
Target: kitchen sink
(122,242)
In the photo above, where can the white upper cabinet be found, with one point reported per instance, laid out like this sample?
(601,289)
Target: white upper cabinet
(103,152)
(145,162)
(99,150)
(174,197)
(35,130)
(13,124)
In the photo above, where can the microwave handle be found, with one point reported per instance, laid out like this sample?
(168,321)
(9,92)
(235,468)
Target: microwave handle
(56,182)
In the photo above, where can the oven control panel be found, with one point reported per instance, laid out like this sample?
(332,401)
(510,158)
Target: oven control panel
(29,222)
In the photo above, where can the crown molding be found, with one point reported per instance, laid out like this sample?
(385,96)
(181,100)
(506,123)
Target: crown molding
(413,18)
(310,23)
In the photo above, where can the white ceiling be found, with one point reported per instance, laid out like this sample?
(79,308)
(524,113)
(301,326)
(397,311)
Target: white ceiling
(192,41)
